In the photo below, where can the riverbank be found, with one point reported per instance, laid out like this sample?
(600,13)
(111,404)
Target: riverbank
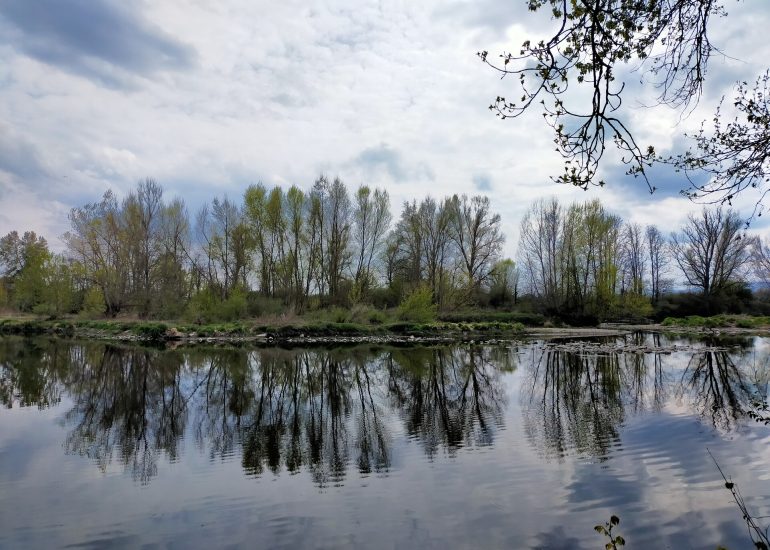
(245,331)
(394,332)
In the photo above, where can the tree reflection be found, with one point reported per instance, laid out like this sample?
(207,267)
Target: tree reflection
(324,412)
(717,387)
(449,397)
(129,401)
(578,400)
(574,401)
(30,372)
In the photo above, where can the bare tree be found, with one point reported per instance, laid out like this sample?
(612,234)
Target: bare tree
(337,228)
(634,260)
(141,212)
(371,218)
(710,250)
(760,260)
(659,259)
(97,241)
(433,223)
(539,250)
(225,242)
(476,233)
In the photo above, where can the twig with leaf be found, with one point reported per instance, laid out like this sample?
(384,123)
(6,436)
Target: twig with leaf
(606,530)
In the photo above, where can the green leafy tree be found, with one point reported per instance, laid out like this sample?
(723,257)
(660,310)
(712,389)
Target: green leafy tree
(24,265)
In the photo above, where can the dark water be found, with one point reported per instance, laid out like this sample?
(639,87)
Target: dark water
(523,446)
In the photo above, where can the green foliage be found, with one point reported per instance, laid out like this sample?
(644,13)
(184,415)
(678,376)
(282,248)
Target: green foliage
(634,306)
(615,541)
(4,300)
(206,307)
(717,321)
(503,283)
(482,316)
(93,303)
(418,306)
(339,315)
(259,305)
(57,295)
(151,331)
(377,317)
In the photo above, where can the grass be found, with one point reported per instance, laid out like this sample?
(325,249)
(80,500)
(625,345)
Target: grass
(482,316)
(717,321)
(333,325)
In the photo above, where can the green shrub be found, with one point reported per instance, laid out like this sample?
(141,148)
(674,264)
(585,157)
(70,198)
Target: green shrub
(417,307)
(377,317)
(206,307)
(482,316)
(151,331)
(93,303)
(339,315)
(259,305)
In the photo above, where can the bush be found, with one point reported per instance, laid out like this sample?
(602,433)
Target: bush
(339,315)
(259,305)
(481,316)
(206,307)
(93,303)
(387,297)
(151,331)
(377,317)
(418,307)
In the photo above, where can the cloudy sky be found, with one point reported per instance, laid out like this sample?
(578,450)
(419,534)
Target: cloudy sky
(209,96)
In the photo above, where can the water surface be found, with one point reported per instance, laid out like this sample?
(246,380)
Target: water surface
(511,446)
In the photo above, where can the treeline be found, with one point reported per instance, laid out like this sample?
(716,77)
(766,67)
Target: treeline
(582,263)
(272,251)
(275,251)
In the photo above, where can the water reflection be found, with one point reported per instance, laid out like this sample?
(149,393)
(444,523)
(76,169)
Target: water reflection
(717,387)
(323,410)
(232,444)
(328,412)
(574,400)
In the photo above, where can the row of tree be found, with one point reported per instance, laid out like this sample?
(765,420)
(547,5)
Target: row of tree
(583,261)
(295,248)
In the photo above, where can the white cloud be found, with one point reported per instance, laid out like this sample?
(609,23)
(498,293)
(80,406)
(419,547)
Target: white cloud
(388,94)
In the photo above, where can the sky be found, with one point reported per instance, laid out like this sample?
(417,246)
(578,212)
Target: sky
(208,97)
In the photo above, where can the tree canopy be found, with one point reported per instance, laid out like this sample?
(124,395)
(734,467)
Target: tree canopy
(595,45)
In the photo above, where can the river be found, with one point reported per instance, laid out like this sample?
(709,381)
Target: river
(517,445)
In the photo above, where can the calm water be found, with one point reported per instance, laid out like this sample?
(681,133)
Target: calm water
(516,446)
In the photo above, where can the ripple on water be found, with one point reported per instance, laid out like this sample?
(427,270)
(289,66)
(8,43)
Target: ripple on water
(444,449)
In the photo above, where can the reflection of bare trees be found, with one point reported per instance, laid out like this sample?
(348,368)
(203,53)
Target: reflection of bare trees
(577,400)
(717,387)
(448,397)
(129,401)
(325,412)
(320,411)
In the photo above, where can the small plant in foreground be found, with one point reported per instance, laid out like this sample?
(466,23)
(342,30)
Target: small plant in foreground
(615,541)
